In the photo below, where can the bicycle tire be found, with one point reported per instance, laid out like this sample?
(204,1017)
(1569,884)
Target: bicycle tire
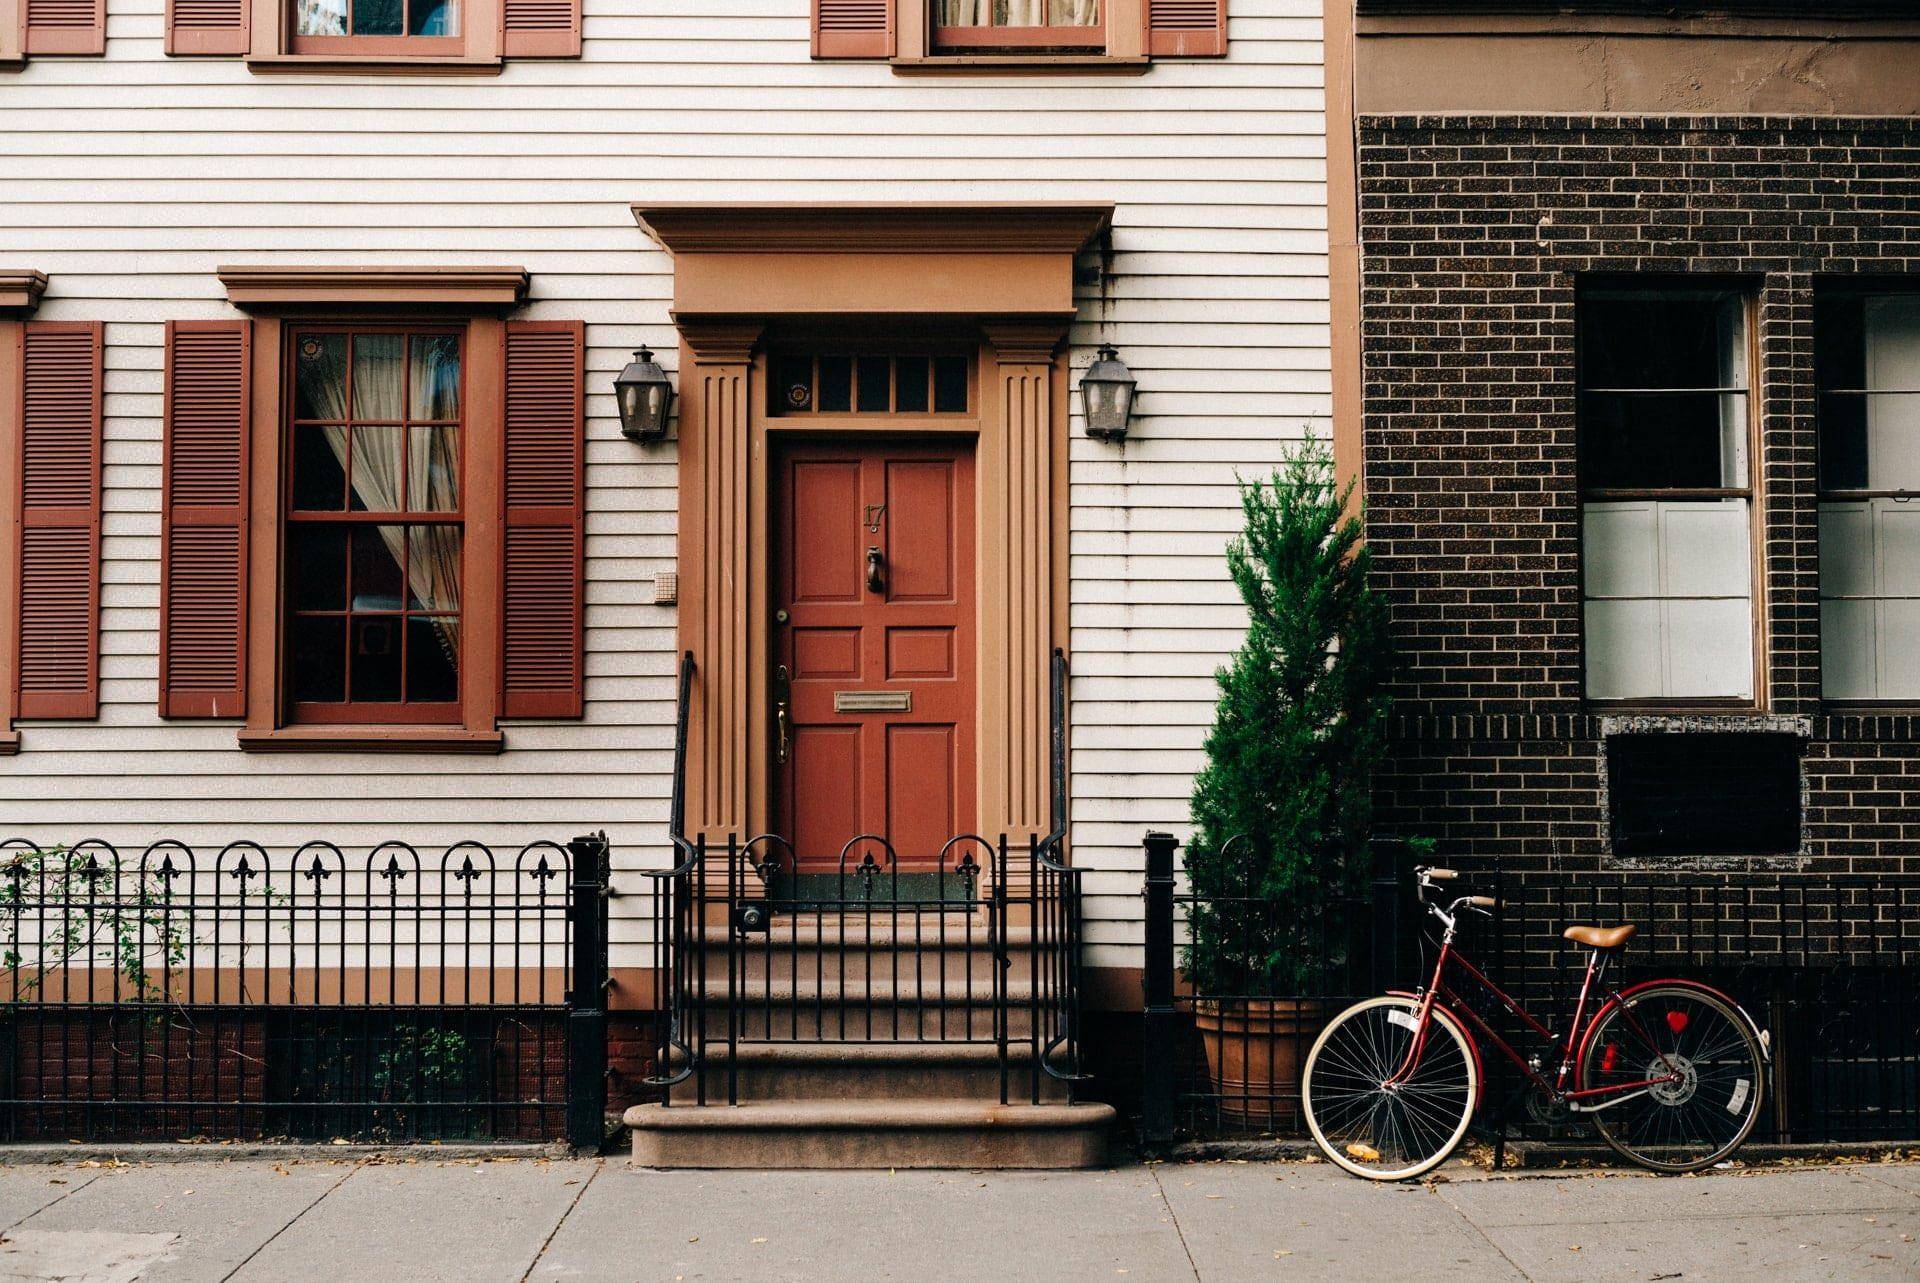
(1410,1129)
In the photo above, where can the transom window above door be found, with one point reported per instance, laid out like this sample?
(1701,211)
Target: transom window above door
(374,525)
(1666,492)
(1019,24)
(397,26)
(870,383)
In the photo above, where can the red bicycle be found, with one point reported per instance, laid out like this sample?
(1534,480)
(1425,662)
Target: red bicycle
(1671,1072)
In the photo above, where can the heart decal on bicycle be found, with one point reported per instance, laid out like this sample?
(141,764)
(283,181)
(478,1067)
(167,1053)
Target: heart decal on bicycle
(1677,1021)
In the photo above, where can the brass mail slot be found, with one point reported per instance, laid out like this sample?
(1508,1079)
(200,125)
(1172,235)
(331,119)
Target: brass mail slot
(873,701)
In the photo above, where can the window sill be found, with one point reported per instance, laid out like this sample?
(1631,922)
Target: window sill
(375,65)
(371,739)
(9,743)
(1022,64)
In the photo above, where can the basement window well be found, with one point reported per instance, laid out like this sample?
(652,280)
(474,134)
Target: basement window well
(1704,793)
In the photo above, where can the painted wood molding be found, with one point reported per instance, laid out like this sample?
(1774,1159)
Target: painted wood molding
(20,290)
(259,288)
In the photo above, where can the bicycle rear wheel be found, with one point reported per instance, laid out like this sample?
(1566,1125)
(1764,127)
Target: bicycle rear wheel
(1702,1115)
(1380,1131)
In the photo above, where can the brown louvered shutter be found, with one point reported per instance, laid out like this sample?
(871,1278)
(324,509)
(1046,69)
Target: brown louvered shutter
(208,26)
(60,520)
(66,26)
(541,29)
(1186,28)
(853,28)
(544,575)
(203,550)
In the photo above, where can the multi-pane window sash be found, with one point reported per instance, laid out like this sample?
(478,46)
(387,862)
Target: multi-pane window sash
(1666,495)
(358,27)
(1867,363)
(375,522)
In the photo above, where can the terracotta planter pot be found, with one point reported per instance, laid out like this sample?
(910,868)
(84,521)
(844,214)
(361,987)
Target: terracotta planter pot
(1255,1048)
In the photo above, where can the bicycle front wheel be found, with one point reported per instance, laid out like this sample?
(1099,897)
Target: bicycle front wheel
(1374,1124)
(1706,1073)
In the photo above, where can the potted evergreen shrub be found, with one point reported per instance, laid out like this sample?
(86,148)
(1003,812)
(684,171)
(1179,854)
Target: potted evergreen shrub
(1281,808)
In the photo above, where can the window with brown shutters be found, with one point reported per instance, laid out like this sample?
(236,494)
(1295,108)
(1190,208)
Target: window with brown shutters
(545,551)
(983,33)
(204,524)
(451,36)
(59,578)
(65,26)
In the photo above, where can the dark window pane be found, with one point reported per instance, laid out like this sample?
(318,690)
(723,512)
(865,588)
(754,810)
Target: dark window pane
(434,18)
(319,480)
(1843,442)
(1672,440)
(320,377)
(793,382)
(379,552)
(433,660)
(1840,341)
(376,660)
(950,384)
(910,376)
(1659,342)
(317,658)
(317,568)
(1704,794)
(836,384)
(376,17)
(876,376)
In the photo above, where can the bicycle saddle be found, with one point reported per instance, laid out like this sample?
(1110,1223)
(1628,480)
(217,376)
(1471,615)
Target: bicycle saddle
(1600,937)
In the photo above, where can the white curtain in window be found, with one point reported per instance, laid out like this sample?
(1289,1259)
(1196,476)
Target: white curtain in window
(1669,599)
(1018,13)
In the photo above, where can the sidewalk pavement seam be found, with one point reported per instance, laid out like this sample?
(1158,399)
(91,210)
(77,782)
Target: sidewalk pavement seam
(1439,1192)
(599,1165)
(1701,1217)
(1173,1218)
(248,1258)
(1877,1179)
(70,1192)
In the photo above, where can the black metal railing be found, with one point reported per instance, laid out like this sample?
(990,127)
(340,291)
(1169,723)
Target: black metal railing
(1826,964)
(975,942)
(308,994)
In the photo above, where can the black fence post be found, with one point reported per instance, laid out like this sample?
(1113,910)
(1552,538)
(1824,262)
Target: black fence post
(587,1002)
(1158,1051)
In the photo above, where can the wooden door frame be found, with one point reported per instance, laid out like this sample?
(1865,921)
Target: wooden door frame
(999,279)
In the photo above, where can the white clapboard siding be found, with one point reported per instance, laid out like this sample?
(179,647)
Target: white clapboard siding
(130,178)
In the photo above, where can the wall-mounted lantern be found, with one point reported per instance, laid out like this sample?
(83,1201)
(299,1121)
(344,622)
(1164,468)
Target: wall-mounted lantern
(1106,394)
(645,395)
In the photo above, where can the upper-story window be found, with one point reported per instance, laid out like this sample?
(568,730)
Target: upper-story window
(1666,494)
(1867,362)
(1032,25)
(398,26)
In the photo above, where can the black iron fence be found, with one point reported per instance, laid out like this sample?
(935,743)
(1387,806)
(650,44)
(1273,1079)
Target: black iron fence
(1826,964)
(976,942)
(305,994)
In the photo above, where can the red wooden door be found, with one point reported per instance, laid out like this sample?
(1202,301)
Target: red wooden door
(874,655)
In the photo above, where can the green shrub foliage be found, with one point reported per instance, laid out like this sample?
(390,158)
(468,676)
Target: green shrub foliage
(1281,809)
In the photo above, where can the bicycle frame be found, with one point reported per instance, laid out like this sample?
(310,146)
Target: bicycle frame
(1578,1030)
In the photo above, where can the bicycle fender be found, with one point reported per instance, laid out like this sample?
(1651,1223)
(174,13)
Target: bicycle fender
(1626,996)
(1473,1046)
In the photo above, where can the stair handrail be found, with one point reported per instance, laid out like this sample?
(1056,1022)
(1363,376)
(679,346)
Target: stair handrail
(1050,857)
(669,887)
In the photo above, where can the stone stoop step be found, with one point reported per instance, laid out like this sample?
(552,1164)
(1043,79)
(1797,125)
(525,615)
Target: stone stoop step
(871,1134)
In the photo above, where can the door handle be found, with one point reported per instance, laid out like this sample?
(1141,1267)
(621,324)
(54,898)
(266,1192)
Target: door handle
(782,714)
(874,562)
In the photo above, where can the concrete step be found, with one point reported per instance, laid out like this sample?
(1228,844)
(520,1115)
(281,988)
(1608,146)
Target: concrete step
(954,962)
(871,1134)
(783,1010)
(871,1071)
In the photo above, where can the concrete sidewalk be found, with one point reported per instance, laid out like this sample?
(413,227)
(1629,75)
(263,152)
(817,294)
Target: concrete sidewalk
(476,1221)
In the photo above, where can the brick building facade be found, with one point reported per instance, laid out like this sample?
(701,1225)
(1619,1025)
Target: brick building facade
(1478,234)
